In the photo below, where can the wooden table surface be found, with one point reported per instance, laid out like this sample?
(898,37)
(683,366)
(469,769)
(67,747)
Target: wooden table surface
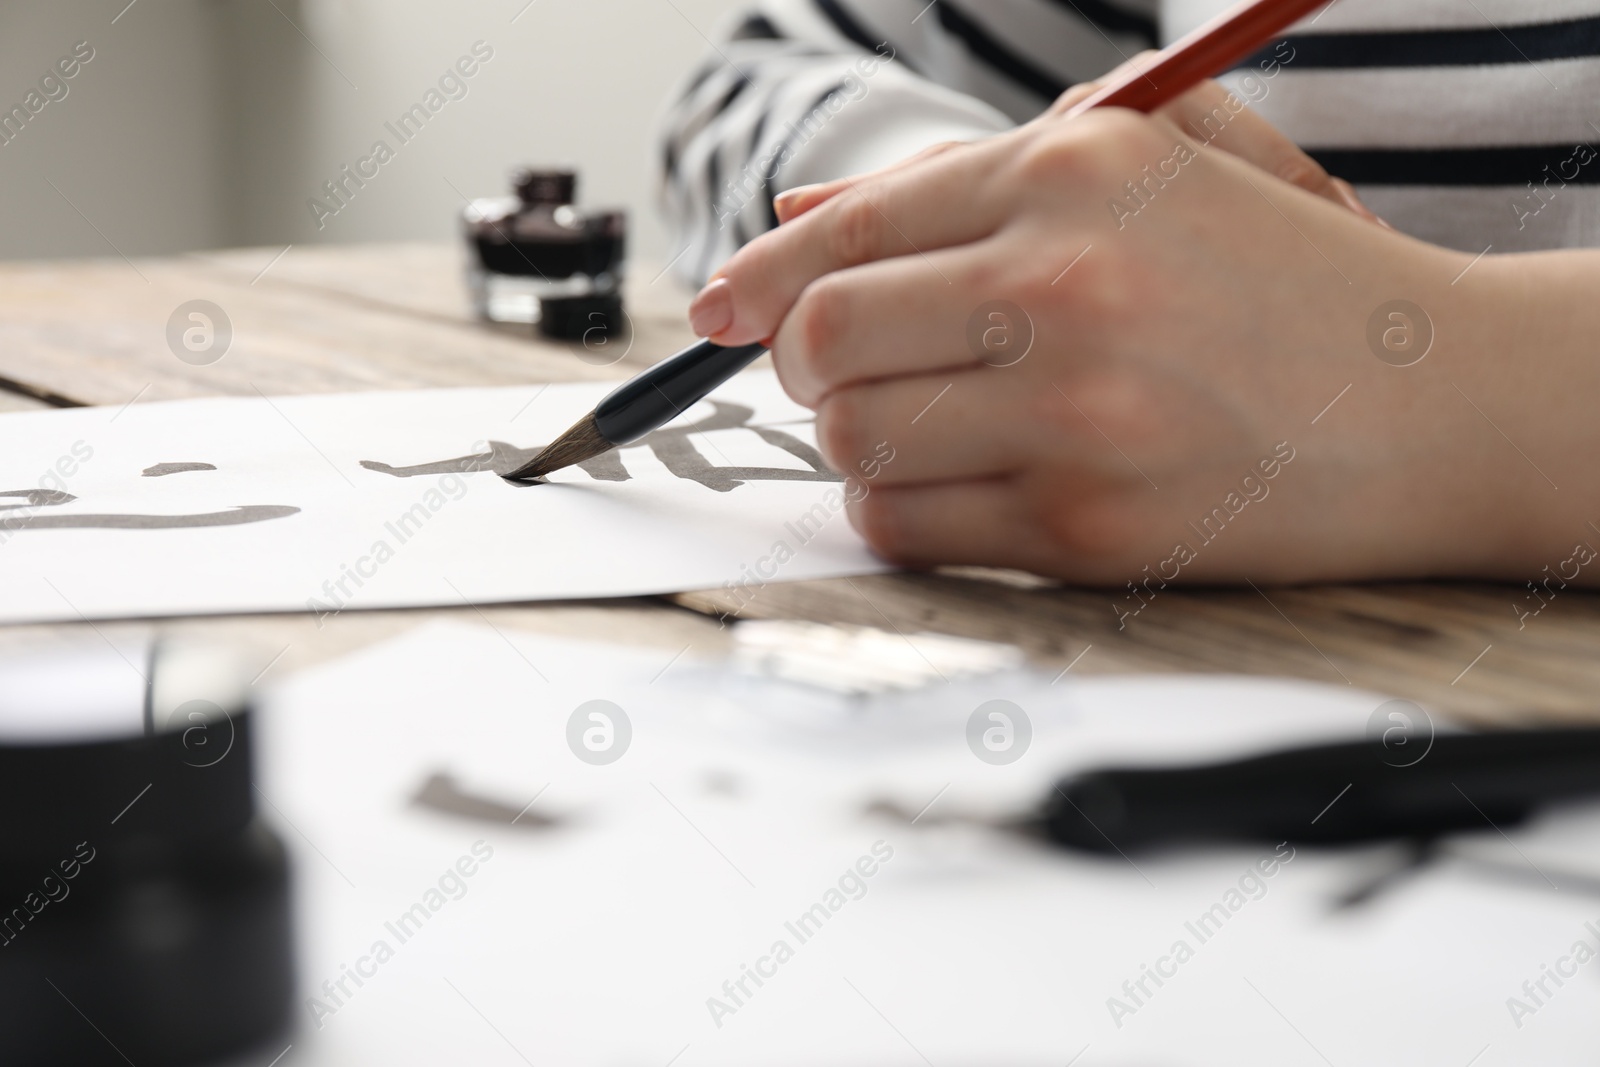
(396,316)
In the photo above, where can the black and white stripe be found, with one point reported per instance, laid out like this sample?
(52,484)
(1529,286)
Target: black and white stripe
(783,99)
(1471,123)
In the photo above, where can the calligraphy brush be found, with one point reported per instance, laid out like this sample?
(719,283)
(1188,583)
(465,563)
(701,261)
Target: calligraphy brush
(645,402)
(662,393)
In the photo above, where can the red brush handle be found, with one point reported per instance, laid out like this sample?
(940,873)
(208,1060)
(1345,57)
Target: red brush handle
(1204,53)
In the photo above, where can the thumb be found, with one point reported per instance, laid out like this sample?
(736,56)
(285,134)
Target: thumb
(1083,90)
(1216,117)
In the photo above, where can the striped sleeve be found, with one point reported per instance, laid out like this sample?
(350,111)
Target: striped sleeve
(1472,126)
(799,91)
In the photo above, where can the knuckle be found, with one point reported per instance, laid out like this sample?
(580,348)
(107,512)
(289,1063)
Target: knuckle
(822,314)
(1128,138)
(793,381)
(878,521)
(1100,144)
(991,275)
(855,229)
(1090,526)
(1050,157)
(840,427)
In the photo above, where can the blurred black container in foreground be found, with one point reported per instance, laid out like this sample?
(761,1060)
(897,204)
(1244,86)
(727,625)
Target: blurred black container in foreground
(536,258)
(144,909)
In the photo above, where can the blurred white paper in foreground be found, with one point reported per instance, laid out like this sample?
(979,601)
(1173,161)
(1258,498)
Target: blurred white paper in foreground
(365,500)
(618,918)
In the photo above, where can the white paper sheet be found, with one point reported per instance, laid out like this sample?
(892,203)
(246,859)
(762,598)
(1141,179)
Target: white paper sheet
(329,503)
(602,940)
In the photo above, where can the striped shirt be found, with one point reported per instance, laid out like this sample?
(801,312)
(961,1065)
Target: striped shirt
(1473,124)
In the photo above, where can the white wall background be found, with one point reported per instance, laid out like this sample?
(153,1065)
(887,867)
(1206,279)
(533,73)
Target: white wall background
(210,123)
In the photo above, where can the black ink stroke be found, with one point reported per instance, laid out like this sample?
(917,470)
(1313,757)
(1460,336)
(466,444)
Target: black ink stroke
(35,498)
(161,470)
(501,458)
(672,447)
(440,792)
(239,516)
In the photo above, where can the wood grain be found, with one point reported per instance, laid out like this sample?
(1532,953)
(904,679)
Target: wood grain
(426,280)
(396,317)
(1455,648)
(96,331)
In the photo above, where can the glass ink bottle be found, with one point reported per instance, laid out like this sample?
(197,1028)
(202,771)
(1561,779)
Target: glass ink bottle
(141,888)
(536,258)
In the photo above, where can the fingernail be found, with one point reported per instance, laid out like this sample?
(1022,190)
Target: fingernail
(788,202)
(1347,196)
(1347,193)
(712,310)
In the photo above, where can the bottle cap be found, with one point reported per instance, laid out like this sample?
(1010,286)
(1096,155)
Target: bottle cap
(536,186)
(143,742)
